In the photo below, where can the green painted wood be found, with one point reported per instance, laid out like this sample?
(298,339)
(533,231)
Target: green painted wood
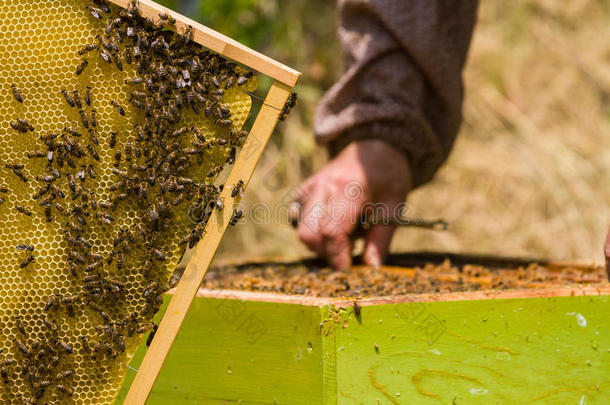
(231,351)
(518,351)
(331,316)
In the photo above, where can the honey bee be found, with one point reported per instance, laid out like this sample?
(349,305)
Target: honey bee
(237,215)
(93,135)
(16,93)
(68,98)
(166,18)
(85,344)
(290,104)
(46,179)
(231,158)
(23,210)
(118,107)
(21,346)
(83,118)
(76,257)
(237,189)
(110,350)
(120,342)
(51,302)
(93,153)
(225,122)
(87,48)
(118,63)
(76,98)
(52,326)
(43,384)
(104,54)
(105,218)
(40,392)
(244,79)
(95,12)
(81,66)
(4,374)
(64,374)
(219,204)
(145,328)
(65,390)
(113,136)
(22,125)
(20,174)
(57,191)
(159,255)
(215,171)
(152,334)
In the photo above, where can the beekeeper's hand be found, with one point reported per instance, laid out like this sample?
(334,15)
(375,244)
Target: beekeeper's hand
(370,173)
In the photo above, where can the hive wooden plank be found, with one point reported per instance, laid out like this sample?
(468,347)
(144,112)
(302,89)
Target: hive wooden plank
(220,43)
(526,350)
(222,356)
(206,249)
(516,351)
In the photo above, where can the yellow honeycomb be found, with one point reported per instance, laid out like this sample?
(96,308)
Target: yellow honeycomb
(39,43)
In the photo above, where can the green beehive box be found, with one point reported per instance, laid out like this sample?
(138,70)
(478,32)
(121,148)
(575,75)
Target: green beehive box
(529,346)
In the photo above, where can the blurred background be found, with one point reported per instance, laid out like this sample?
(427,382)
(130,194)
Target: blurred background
(530,172)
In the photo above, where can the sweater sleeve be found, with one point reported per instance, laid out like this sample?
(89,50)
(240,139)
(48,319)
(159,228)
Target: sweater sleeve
(403,79)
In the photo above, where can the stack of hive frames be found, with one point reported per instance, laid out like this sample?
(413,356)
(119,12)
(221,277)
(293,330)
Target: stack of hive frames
(38,53)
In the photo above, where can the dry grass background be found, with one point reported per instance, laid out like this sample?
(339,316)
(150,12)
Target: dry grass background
(530,172)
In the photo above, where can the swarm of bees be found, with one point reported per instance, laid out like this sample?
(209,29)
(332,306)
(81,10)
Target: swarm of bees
(157,173)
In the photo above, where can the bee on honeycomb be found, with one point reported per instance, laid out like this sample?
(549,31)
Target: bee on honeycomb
(116,130)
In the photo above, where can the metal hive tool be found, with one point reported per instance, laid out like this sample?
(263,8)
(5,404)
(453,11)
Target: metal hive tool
(39,45)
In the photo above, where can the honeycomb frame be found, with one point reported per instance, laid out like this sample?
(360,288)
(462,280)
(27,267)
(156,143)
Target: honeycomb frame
(40,71)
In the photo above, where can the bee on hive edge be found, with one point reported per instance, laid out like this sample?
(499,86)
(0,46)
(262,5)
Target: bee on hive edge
(166,18)
(237,189)
(237,215)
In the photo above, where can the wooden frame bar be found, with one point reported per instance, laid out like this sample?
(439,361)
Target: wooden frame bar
(285,80)
(220,43)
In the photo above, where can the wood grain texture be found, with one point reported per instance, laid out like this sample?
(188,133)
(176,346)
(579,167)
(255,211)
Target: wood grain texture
(515,351)
(206,249)
(220,43)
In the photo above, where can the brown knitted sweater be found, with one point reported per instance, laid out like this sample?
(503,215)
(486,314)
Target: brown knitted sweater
(403,79)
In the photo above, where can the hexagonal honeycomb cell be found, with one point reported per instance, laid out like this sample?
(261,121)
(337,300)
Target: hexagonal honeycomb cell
(84,260)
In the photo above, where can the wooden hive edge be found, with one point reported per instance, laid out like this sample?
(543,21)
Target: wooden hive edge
(340,302)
